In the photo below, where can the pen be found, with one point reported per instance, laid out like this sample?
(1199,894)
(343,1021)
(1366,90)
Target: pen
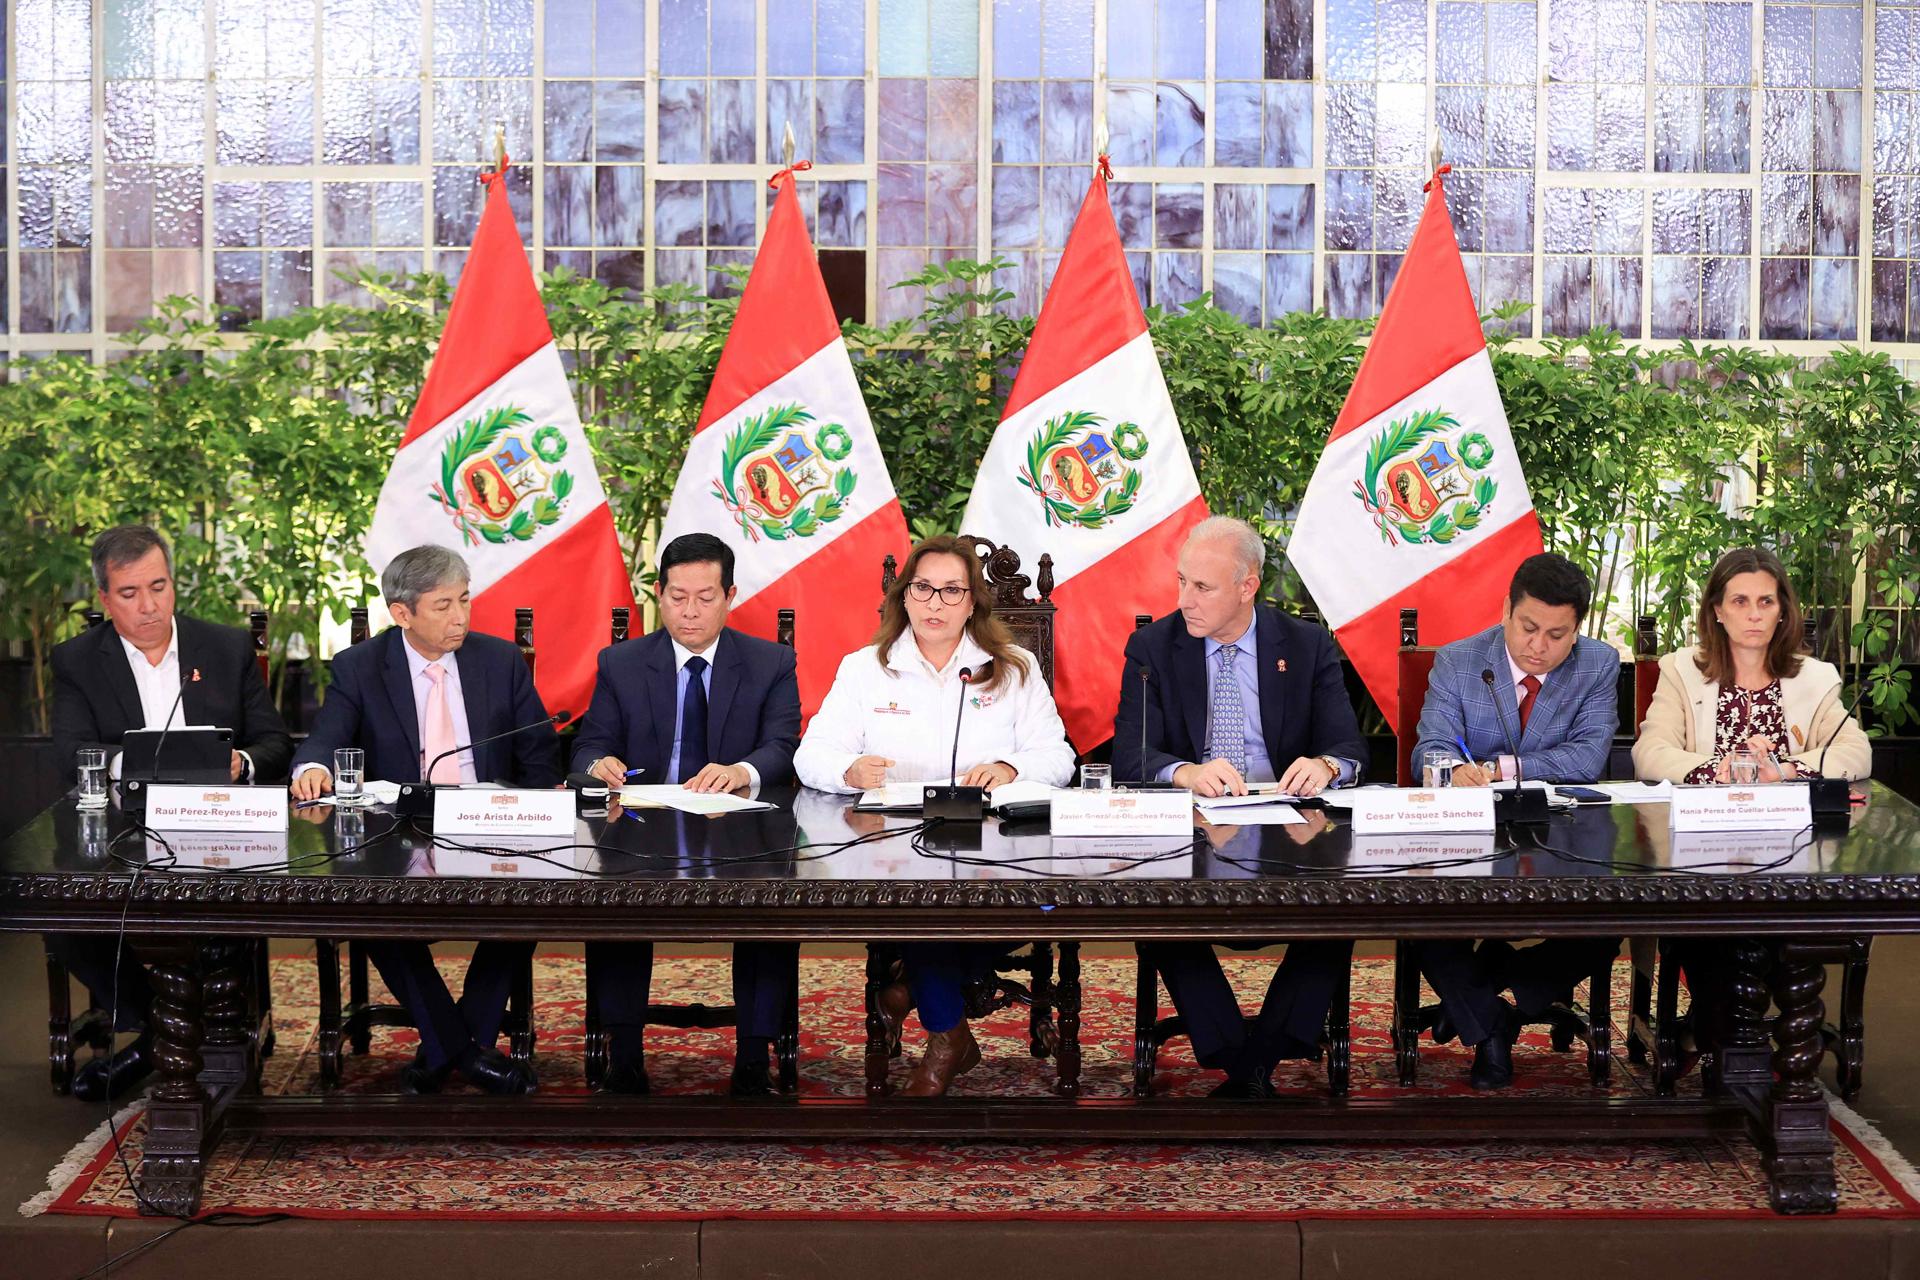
(1461,743)
(633,773)
(308,804)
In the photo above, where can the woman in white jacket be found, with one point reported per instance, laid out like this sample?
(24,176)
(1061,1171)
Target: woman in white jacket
(890,716)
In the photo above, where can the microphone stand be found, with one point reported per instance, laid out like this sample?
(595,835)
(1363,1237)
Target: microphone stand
(1833,797)
(1518,805)
(954,803)
(416,798)
(133,791)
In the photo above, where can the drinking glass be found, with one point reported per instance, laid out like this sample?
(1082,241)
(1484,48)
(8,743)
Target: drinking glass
(1744,766)
(1096,777)
(92,762)
(1438,772)
(349,776)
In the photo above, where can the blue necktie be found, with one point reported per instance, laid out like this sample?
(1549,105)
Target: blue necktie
(693,722)
(1226,717)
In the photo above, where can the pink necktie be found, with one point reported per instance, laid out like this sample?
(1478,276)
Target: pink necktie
(438,731)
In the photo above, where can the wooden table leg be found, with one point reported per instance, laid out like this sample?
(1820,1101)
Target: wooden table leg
(877,1045)
(179,1112)
(226,1055)
(1799,1143)
(1067,1005)
(1746,1067)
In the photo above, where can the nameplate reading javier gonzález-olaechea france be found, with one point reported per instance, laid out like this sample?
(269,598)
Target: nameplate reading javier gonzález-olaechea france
(1379,811)
(216,808)
(490,811)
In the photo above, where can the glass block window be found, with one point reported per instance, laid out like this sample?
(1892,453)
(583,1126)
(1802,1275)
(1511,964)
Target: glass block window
(53,63)
(1701,270)
(1703,100)
(370,56)
(1810,186)
(263,256)
(701,227)
(1042,141)
(1485,112)
(594,141)
(927,178)
(1895,305)
(1597,85)
(1591,274)
(263,68)
(482,88)
(1376,146)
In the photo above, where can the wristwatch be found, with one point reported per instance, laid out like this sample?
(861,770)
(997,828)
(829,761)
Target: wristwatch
(1333,764)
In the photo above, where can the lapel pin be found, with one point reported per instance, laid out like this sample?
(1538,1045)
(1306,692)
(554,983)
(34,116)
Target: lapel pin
(196,675)
(1280,665)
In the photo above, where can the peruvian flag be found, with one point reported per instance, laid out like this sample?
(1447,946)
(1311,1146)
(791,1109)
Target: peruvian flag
(1419,501)
(784,464)
(494,464)
(1089,465)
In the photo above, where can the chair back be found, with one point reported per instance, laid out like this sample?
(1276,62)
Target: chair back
(523,634)
(358,625)
(1029,619)
(1646,668)
(783,628)
(622,624)
(1416,669)
(257,632)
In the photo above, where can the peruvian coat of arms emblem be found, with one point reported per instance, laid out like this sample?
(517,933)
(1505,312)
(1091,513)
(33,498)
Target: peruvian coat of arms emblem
(1424,479)
(501,482)
(1082,473)
(777,474)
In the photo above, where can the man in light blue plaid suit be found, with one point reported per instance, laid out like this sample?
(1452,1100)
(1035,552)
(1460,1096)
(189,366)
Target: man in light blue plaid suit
(1531,699)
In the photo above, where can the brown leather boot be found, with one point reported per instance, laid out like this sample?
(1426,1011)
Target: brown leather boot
(949,1054)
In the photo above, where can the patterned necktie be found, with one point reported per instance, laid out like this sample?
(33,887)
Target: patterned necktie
(437,734)
(693,722)
(1532,685)
(1226,717)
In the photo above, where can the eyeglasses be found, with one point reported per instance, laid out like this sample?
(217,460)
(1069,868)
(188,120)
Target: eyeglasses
(924,591)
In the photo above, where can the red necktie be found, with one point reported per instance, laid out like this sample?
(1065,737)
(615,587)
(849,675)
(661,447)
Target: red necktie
(1532,685)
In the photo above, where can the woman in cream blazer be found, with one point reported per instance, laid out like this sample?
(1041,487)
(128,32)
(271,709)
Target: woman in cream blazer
(1750,626)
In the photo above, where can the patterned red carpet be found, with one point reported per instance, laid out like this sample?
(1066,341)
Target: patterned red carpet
(331,1178)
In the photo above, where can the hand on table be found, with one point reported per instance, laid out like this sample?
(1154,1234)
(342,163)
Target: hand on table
(988,775)
(311,784)
(1307,776)
(719,777)
(1214,778)
(868,772)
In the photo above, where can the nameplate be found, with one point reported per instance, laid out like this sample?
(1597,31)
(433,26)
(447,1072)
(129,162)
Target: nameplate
(172,807)
(1460,853)
(211,851)
(1387,811)
(1772,807)
(490,811)
(1121,813)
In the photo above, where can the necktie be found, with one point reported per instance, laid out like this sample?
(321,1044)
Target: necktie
(1226,717)
(1532,685)
(437,734)
(693,722)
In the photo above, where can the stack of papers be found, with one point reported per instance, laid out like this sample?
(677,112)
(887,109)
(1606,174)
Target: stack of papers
(667,795)
(1255,810)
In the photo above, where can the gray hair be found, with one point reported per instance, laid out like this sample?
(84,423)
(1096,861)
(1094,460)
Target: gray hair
(415,572)
(122,545)
(1242,539)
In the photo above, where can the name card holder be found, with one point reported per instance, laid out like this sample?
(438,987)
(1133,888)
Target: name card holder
(1386,811)
(1768,807)
(490,811)
(172,807)
(1089,812)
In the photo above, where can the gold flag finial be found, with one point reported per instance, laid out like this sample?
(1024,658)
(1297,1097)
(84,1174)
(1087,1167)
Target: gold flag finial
(786,146)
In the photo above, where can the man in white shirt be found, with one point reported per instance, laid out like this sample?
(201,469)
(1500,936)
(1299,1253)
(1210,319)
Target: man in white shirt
(149,668)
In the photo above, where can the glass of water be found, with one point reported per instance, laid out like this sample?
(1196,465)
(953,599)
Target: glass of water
(349,831)
(1743,766)
(1096,777)
(1438,772)
(349,776)
(92,763)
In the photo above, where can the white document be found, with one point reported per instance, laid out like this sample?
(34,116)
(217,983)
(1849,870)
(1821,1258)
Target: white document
(1251,815)
(1018,792)
(667,795)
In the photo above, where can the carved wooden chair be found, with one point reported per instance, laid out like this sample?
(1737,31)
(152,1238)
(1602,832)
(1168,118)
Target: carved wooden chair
(1053,1003)
(1151,1031)
(67,1033)
(1654,1024)
(786,1046)
(1593,1025)
(352,1027)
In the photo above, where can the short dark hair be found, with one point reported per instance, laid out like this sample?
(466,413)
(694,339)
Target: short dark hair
(1553,580)
(698,548)
(123,544)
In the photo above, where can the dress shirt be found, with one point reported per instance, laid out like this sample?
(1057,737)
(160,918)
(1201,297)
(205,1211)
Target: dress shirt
(422,686)
(905,712)
(160,695)
(1246,674)
(680,655)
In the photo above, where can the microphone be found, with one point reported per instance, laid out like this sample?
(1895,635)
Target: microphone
(954,803)
(1144,676)
(1516,808)
(1829,796)
(133,790)
(414,801)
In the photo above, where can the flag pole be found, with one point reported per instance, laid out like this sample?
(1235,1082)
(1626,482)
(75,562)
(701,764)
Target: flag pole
(786,147)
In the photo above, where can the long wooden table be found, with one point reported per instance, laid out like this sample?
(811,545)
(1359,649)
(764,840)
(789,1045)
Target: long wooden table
(789,874)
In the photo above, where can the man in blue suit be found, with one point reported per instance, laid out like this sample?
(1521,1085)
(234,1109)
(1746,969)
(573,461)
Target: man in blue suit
(1223,693)
(702,705)
(424,685)
(1529,699)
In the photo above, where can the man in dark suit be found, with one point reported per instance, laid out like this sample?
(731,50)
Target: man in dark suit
(1224,693)
(407,697)
(148,669)
(702,705)
(1532,685)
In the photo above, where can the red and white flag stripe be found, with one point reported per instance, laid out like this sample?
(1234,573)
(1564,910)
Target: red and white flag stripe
(495,465)
(784,464)
(1418,500)
(1089,465)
